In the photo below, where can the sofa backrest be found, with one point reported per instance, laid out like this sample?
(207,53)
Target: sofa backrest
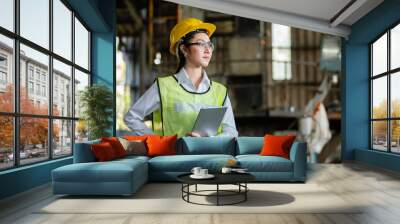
(249,145)
(83,153)
(206,145)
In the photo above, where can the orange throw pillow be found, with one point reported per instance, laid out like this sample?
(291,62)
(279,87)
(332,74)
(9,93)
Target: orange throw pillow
(161,145)
(277,145)
(116,145)
(136,137)
(103,151)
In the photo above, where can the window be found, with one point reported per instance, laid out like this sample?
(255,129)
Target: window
(7,14)
(81,45)
(38,89)
(34,21)
(54,125)
(37,74)
(30,72)
(43,90)
(3,72)
(6,89)
(3,61)
(281,52)
(30,87)
(3,78)
(385,94)
(62,74)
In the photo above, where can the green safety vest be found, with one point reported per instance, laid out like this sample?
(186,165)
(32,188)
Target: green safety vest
(179,107)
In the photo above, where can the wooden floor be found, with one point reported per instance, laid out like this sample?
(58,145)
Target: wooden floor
(378,189)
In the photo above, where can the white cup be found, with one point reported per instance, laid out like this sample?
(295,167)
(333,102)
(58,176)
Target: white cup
(203,172)
(226,170)
(196,170)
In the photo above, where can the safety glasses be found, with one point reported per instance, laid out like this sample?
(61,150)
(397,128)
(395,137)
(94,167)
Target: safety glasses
(203,45)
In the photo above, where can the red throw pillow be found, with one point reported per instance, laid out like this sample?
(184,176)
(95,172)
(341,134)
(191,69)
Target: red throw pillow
(277,145)
(116,145)
(103,151)
(161,145)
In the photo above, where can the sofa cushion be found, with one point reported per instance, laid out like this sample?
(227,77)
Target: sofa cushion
(206,145)
(249,145)
(257,163)
(185,163)
(112,171)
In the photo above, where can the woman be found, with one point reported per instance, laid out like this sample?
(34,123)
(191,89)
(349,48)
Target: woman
(176,99)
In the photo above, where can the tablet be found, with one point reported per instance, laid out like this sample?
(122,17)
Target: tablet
(208,121)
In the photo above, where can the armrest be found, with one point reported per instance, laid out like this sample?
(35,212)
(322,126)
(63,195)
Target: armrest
(83,152)
(298,155)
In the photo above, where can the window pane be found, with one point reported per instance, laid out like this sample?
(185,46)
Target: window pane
(35,21)
(33,139)
(379,135)
(395,47)
(281,52)
(62,29)
(81,45)
(6,142)
(6,74)
(379,98)
(395,138)
(395,94)
(62,138)
(81,81)
(81,131)
(7,14)
(34,79)
(62,89)
(379,55)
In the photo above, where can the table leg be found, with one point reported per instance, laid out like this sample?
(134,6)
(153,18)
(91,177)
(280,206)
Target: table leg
(245,191)
(196,188)
(217,194)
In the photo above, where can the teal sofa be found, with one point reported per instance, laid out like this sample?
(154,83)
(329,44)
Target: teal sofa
(125,176)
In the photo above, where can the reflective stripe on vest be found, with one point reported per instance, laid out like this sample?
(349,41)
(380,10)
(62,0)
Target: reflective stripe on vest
(179,107)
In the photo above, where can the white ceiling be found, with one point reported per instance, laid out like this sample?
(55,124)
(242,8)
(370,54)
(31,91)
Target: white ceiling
(316,15)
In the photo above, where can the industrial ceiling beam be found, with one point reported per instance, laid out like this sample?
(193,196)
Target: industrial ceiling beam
(268,15)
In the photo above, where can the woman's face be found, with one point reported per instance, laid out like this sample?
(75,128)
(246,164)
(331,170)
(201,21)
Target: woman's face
(199,50)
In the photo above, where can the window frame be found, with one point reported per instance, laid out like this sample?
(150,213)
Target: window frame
(388,74)
(16,114)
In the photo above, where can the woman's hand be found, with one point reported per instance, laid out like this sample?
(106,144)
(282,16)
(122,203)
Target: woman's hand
(193,134)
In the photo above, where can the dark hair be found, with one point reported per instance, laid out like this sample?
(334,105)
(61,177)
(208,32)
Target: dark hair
(185,40)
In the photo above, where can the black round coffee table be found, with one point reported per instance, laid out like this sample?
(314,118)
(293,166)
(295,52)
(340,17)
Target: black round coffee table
(238,179)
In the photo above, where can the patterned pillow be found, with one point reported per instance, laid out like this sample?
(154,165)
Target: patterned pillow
(134,147)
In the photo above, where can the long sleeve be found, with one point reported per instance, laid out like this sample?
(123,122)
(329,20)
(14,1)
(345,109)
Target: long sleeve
(228,123)
(146,104)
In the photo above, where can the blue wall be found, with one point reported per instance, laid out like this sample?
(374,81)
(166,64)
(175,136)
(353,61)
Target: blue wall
(355,122)
(100,17)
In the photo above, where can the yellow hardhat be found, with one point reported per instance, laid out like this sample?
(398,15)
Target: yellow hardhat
(186,26)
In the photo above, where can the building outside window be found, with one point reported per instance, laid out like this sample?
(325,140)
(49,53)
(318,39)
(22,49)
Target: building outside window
(385,94)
